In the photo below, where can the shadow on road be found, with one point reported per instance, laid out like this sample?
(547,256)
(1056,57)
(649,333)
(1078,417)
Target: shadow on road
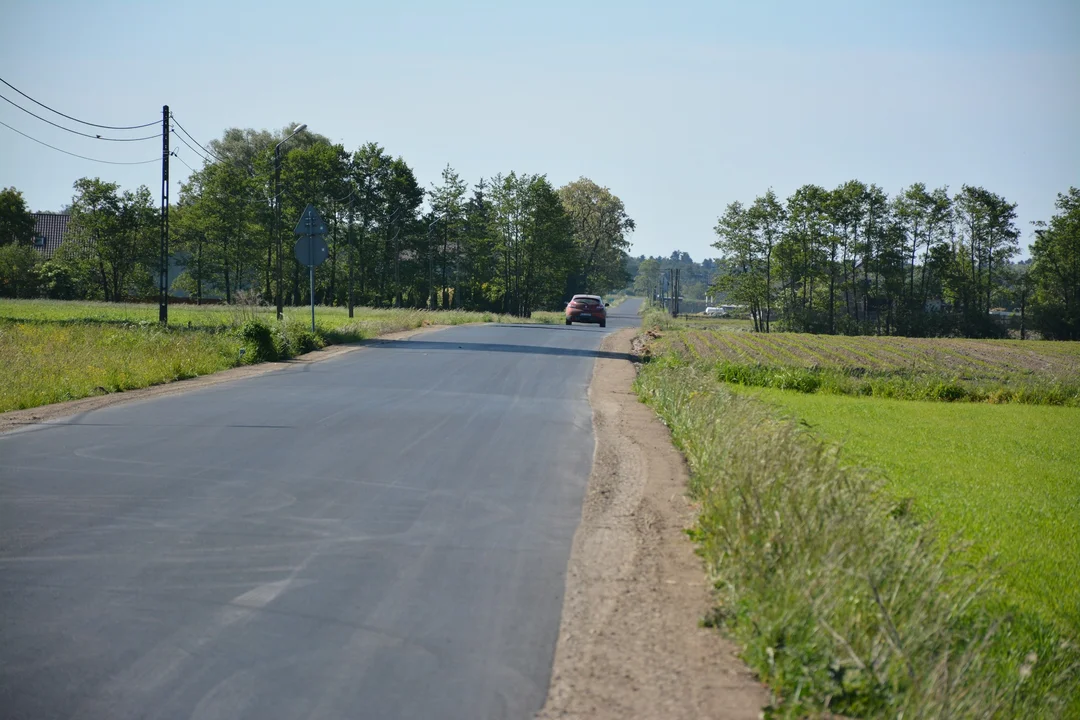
(428,345)
(560,326)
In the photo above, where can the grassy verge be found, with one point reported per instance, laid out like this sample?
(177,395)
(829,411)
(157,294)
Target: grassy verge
(53,351)
(48,363)
(842,597)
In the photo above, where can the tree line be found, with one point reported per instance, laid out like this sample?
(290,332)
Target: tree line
(694,281)
(924,262)
(510,243)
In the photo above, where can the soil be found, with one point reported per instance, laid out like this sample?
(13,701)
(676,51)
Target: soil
(631,644)
(15,419)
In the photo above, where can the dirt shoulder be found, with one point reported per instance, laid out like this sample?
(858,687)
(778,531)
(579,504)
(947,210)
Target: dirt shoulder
(15,419)
(630,644)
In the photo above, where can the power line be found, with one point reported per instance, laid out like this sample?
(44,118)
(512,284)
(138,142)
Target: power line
(205,149)
(177,156)
(81,122)
(181,138)
(92,137)
(107,162)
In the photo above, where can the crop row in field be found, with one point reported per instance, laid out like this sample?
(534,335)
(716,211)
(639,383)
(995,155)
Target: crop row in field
(999,371)
(964,357)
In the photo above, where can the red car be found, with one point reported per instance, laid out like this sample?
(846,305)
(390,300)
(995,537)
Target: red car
(586,309)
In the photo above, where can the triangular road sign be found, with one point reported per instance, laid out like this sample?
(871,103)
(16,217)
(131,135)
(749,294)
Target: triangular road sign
(311,223)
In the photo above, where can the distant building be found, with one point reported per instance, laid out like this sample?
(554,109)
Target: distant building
(50,232)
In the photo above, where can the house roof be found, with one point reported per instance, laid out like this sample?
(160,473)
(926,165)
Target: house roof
(49,231)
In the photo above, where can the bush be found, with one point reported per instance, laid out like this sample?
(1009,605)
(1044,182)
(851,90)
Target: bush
(294,337)
(57,282)
(18,271)
(259,342)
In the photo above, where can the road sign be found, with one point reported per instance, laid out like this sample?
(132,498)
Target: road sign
(311,250)
(311,223)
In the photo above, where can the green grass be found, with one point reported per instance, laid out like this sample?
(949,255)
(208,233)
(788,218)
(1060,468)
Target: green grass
(1006,477)
(45,363)
(841,596)
(53,351)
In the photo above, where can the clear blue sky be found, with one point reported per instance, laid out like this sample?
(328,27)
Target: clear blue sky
(678,106)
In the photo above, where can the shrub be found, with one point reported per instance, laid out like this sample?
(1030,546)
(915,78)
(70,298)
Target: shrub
(294,337)
(258,341)
(949,392)
(18,270)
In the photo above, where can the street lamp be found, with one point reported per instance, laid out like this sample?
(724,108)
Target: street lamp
(277,218)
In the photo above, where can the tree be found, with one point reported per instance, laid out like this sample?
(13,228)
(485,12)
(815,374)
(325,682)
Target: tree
(217,228)
(367,176)
(648,276)
(512,243)
(479,241)
(1055,257)
(314,172)
(767,218)
(117,230)
(188,226)
(448,208)
(600,225)
(18,265)
(803,254)
(745,281)
(16,222)
(404,196)
(548,252)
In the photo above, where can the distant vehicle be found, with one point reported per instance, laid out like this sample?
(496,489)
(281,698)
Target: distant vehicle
(586,309)
(723,310)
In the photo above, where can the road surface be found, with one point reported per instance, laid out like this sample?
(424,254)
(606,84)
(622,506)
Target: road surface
(381,535)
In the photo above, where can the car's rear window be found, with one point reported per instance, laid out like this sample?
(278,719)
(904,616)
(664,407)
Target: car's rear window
(587,301)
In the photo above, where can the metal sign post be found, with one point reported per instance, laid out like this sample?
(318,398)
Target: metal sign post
(310,248)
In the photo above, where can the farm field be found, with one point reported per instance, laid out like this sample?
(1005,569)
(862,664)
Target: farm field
(703,322)
(1006,477)
(996,371)
(54,351)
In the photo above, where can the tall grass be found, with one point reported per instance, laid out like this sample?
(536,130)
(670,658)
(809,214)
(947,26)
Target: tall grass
(43,363)
(843,600)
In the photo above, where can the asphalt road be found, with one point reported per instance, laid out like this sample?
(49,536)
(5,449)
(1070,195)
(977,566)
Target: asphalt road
(380,535)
